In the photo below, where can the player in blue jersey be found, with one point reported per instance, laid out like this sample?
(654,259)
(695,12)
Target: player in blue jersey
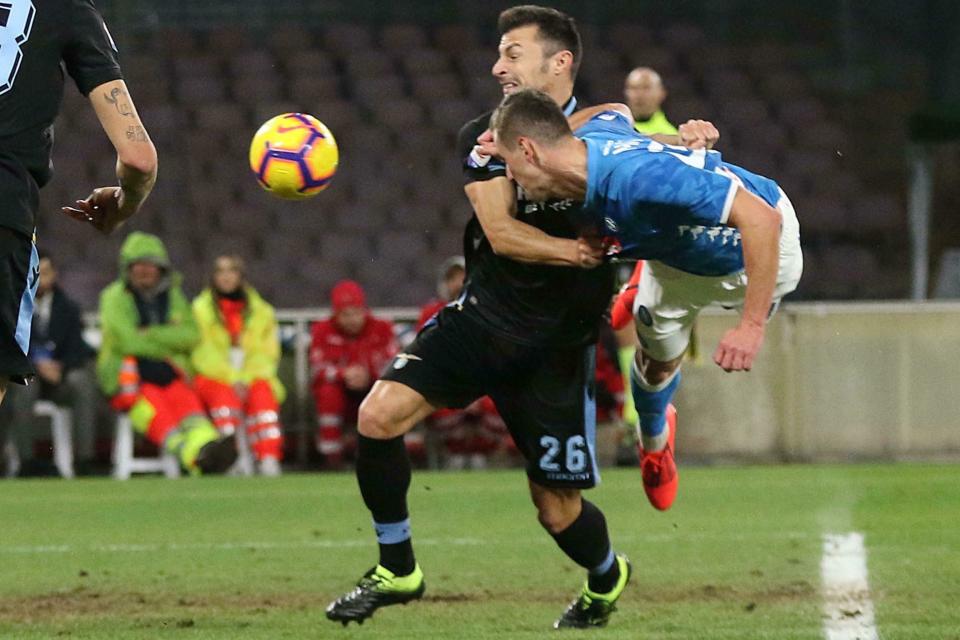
(711,232)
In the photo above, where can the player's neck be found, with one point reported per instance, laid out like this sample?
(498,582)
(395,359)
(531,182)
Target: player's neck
(561,94)
(569,168)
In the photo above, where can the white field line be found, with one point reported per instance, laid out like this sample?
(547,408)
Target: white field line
(149,547)
(848,610)
(216,546)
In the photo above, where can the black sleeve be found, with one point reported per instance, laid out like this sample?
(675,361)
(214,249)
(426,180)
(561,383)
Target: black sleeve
(89,53)
(477,168)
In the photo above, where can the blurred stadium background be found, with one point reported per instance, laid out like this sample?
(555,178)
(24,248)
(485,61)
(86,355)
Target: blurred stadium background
(819,96)
(846,104)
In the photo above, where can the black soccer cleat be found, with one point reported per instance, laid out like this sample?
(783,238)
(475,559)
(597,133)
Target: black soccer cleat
(377,588)
(217,456)
(594,609)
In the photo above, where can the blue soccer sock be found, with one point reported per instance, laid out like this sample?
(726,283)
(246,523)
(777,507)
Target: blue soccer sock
(651,402)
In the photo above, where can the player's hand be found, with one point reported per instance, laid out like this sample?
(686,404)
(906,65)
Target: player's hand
(356,377)
(102,209)
(50,371)
(485,144)
(590,252)
(739,347)
(698,134)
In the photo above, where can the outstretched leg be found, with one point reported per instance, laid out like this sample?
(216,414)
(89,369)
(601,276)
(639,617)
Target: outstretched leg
(383,472)
(580,530)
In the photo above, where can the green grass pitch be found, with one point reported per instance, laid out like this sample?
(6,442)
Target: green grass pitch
(737,557)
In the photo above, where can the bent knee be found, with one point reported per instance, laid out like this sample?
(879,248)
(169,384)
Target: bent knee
(656,372)
(374,420)
(558,511)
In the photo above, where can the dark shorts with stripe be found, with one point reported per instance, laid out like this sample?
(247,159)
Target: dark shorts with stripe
(545,395)
(18,285)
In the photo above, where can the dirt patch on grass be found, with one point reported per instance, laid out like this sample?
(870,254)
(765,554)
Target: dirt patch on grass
(82,602)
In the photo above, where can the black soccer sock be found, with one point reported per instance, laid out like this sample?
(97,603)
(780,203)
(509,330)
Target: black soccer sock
(383,473)
(587,543)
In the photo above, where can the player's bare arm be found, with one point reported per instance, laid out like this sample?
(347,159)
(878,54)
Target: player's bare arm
(759,226)
(106,208)
(495,201)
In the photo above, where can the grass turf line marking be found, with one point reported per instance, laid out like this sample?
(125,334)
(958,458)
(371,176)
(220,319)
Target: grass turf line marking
(848,610)
(217,546)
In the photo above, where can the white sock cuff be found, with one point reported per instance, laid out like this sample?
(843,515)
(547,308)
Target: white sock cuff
(652,388)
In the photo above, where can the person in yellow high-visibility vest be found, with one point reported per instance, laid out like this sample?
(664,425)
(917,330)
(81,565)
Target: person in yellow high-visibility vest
(644,93)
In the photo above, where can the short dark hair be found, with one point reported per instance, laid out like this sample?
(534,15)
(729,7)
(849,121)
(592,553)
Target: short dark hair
(556,28)
(530,113)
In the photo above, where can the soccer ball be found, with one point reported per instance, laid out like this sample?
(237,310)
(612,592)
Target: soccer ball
(294,156)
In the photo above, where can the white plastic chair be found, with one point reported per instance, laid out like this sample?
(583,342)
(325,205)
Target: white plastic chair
(61,430)
(124,462)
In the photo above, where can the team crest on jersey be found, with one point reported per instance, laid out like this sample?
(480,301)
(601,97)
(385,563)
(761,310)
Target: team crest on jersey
(402,359)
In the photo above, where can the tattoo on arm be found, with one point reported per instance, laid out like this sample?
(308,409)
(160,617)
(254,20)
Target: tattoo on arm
(136,134)
(120,99)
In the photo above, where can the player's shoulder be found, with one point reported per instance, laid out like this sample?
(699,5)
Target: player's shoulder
(472,129)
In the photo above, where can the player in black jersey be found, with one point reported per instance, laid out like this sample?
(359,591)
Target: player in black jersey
(520,332)
(38,38)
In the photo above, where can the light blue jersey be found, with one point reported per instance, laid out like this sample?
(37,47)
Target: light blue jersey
(663,202)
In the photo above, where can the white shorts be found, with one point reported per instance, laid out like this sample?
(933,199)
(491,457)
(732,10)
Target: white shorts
(669,300)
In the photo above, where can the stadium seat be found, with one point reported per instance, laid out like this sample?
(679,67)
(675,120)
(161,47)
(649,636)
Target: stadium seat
(627,36)
(125,463)
(366,64)
(313,88)
(308,62)
(344,39)
(452,38)
(233,38)
(397,38)
(436,88)
(289,39)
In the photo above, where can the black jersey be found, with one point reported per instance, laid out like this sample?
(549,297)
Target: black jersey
(529,303)
(38,39)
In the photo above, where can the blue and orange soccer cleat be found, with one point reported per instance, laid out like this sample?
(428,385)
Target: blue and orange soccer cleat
(659,468)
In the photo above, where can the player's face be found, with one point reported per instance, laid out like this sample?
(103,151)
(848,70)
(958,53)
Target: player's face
(644,93)
(351,320)
(454,283)
(226,275)
(521,62)
(48,277)
(524,169)
(144,275)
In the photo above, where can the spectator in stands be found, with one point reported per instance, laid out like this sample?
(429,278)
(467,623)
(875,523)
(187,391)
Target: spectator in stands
(61,358)
(453,271)
(645,93)
(144,362)
(471,434)
(236,362)
(347,354)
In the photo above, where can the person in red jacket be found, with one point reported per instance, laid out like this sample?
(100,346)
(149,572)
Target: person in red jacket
(474,432)
(347,354)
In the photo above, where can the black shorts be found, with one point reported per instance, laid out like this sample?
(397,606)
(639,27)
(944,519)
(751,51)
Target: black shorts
(19,276)
(544,395)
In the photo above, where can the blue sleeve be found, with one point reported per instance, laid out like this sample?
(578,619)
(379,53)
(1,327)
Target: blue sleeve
(665,179)
(607,124)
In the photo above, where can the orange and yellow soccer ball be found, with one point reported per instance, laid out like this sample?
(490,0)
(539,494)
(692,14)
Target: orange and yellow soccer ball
(294,156)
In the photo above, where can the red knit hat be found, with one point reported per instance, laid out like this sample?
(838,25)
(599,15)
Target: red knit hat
(347,293)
